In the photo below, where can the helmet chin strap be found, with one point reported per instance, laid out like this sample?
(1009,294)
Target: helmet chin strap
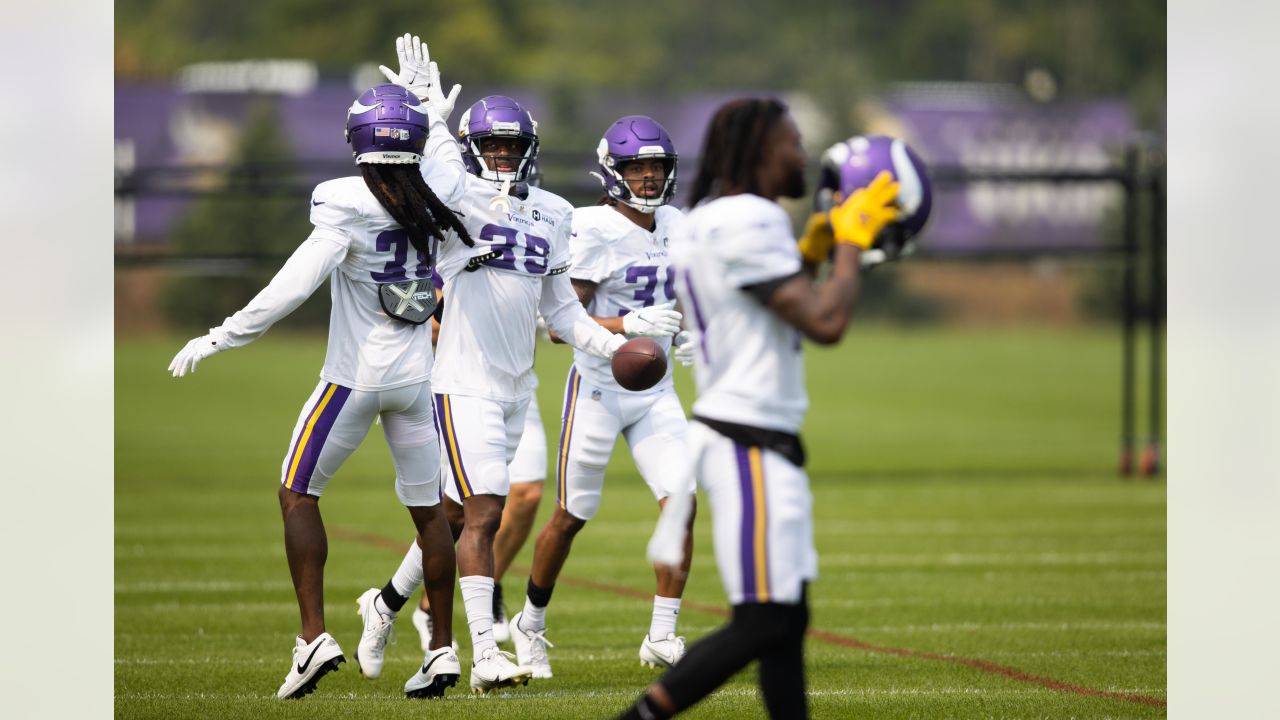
(646,209)
(503,198)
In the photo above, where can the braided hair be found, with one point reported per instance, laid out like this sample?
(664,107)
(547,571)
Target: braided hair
(407,197)
(733,147)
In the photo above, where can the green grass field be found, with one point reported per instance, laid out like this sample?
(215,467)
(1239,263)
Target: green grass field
(979,556)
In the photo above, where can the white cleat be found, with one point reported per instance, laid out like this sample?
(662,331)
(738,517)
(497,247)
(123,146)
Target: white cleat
(373,638)
(440,669)
(531,648)
(311,661)
(422,621)
(495,670)
(661,653)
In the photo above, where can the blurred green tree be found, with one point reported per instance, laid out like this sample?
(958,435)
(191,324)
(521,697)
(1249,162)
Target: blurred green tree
(231,224)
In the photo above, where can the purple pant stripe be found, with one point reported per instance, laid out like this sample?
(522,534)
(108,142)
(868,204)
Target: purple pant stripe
(449,437)
(319,434)
(293,449)
(566,435)
(748,519)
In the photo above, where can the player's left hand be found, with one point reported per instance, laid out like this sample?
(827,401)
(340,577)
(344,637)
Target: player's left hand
(195,350)
(817,240)
(421,76)
(683,348)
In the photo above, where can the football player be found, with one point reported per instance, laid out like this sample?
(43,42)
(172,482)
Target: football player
(752,298)
(619,268)
(376,240)
(528,471)
(483,376)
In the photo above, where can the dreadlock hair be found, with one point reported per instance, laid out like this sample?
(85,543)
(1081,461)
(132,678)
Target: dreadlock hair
(733,147)
(407,197)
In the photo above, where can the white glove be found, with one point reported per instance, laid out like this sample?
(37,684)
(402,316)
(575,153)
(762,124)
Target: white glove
(421,76)
(684,348)
(666,547)
(196,350)
(654,321)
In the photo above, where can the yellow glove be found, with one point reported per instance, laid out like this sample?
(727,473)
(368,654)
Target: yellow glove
(859,219)
(817,240)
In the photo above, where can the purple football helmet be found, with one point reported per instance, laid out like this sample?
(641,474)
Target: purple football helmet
(387,124)
(636,137)
(854,163)
(497,116)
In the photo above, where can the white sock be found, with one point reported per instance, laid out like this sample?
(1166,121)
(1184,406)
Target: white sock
(533,617)
(477,598)
(666,611)
(409,575)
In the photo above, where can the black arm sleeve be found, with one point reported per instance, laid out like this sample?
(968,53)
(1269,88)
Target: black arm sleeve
(763,291)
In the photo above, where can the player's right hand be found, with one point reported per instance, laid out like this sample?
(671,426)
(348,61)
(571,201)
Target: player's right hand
(654,321)
(420,75)
(195,350)
(817,240)
(858,220)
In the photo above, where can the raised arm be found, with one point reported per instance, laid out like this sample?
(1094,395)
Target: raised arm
(441,159)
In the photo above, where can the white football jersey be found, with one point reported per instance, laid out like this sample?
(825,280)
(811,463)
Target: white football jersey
(631,270)
(748,365)
(489,324)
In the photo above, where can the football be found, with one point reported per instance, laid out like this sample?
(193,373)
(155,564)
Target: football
(639,364)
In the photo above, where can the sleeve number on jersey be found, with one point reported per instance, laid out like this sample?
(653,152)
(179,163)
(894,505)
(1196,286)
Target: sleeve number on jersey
(394,270)
(646,276)
(533,249)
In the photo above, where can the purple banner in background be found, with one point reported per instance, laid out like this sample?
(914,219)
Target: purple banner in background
(1002,131)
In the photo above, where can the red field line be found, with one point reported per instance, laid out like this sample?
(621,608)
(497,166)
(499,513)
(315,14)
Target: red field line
(821,635)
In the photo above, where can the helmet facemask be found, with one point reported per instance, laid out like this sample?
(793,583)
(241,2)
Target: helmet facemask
(503,163)
(498,117)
